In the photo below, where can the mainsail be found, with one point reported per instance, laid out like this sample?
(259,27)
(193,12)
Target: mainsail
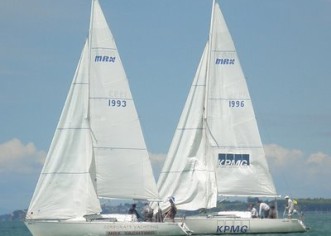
(216,149)
(98,149)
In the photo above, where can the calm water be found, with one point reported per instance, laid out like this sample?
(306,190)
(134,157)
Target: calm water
(319,222)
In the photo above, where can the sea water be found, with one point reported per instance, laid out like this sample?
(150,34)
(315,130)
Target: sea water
(318,222)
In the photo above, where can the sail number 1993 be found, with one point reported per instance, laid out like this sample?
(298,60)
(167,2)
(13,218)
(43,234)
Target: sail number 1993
(236,103)
(116,103)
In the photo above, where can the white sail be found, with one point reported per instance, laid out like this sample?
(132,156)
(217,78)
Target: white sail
(216,149)
(98,149)
(122,162)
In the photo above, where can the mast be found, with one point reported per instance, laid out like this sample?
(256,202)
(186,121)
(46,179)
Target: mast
(92,169)
(209,60)
(90,58)
(206,97)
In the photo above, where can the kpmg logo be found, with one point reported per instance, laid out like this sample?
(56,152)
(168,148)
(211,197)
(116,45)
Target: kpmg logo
(104,59)
(233,160)
(232,229)
(224,61)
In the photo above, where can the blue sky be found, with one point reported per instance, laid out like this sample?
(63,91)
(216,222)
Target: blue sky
(284,49)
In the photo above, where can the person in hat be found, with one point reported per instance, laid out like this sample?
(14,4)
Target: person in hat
(289,208)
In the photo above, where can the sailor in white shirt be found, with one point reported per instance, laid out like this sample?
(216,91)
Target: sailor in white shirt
(264,210)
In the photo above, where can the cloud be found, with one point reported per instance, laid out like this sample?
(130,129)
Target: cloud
(17,157)
(297,173)
(20,165)
(318,159)
(318,165)
(281,157)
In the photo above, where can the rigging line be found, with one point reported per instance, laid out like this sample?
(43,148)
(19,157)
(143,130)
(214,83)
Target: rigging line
(210,133)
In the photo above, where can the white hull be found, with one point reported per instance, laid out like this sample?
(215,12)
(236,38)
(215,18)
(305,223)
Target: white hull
(102,228)
(231,225)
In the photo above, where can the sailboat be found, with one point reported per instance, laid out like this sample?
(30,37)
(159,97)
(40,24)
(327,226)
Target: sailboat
(98,151)
(216,150)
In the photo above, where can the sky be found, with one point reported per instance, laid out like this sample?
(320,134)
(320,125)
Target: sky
(283,46)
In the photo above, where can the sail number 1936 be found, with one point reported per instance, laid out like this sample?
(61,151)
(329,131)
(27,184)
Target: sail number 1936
(236,103)
(116,103)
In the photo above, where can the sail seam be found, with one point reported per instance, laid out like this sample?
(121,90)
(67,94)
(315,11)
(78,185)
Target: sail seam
(122,148)
(191,128)
(223,50)
(181,171)
(104,48)
(227,99)
(95,98)
(80,83)
(237,147)
(72,128)
(65,173)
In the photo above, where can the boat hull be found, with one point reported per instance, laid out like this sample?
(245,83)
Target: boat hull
(98,228)
(230,225)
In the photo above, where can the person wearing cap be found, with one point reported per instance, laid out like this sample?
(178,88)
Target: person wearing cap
(289,206)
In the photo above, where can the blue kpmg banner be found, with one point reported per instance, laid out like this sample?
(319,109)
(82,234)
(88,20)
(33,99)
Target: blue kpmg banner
(230,159)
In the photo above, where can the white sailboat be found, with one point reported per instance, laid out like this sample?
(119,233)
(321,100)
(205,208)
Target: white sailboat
(98,151)
(216,149)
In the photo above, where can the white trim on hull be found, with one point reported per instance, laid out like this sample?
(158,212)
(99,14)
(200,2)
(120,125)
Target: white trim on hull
(103,228)
(214,225)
